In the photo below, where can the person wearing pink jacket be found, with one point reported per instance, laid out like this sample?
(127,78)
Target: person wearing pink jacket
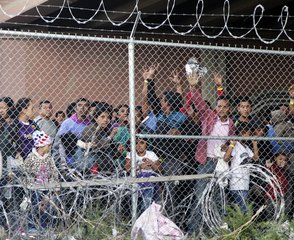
(213,123)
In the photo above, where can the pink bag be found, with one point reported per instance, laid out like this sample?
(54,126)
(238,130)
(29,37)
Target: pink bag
(152,225)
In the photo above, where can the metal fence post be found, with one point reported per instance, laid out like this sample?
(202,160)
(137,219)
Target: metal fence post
(131,48)
(132,126)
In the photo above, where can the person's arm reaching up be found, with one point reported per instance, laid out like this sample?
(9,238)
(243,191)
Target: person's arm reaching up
(151,102)
(199,103)
(177,80)
(218,80)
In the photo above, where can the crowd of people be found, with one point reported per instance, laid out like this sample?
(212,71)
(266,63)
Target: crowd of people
(93,137)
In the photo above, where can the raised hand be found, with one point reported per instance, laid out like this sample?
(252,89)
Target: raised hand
(149,72)
(218,79)
(175,77)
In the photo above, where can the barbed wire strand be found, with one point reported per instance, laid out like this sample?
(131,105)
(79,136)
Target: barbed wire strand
(256,18)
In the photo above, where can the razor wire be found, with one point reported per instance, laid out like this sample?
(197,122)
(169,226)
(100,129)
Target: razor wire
(212,215)
(93,188)
(257,16)
(85,197)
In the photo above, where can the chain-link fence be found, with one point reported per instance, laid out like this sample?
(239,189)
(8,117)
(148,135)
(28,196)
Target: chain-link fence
(210,127)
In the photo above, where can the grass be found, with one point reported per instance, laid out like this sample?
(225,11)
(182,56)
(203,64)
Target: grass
(245,227)
(96,226)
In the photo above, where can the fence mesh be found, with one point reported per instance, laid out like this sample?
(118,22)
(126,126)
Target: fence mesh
(218,122)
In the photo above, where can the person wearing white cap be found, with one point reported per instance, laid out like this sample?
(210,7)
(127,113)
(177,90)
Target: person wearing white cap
(40,169)
(39,164)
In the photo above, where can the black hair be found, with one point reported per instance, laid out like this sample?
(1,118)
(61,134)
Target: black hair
(281,152)
(22,103)
(94,104)
(8,100)
(70,110)
(44,102)
(256,123)
(244,99)
(82,100)
(174,99)
(243,127)
(284,104)
(101,108)
(265,115)
(142,139)
(139,108)
(123,105)
(10,104)
(109,106)
(58,113)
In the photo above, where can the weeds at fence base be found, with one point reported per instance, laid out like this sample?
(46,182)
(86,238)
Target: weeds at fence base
(95,226)
(245,227)
(240,226)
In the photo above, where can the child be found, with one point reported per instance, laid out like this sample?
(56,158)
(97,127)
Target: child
(147,165)
(279,169)
(40,169)
(240,153)
(221,165)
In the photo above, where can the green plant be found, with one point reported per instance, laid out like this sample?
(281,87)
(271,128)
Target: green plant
(245,227)
(94,225)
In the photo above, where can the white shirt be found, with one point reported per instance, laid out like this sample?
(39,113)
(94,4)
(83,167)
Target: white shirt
(240,177)
(220,129)
(139,159)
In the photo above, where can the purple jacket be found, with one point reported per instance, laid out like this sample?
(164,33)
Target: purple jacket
(22,136)
(208,118)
